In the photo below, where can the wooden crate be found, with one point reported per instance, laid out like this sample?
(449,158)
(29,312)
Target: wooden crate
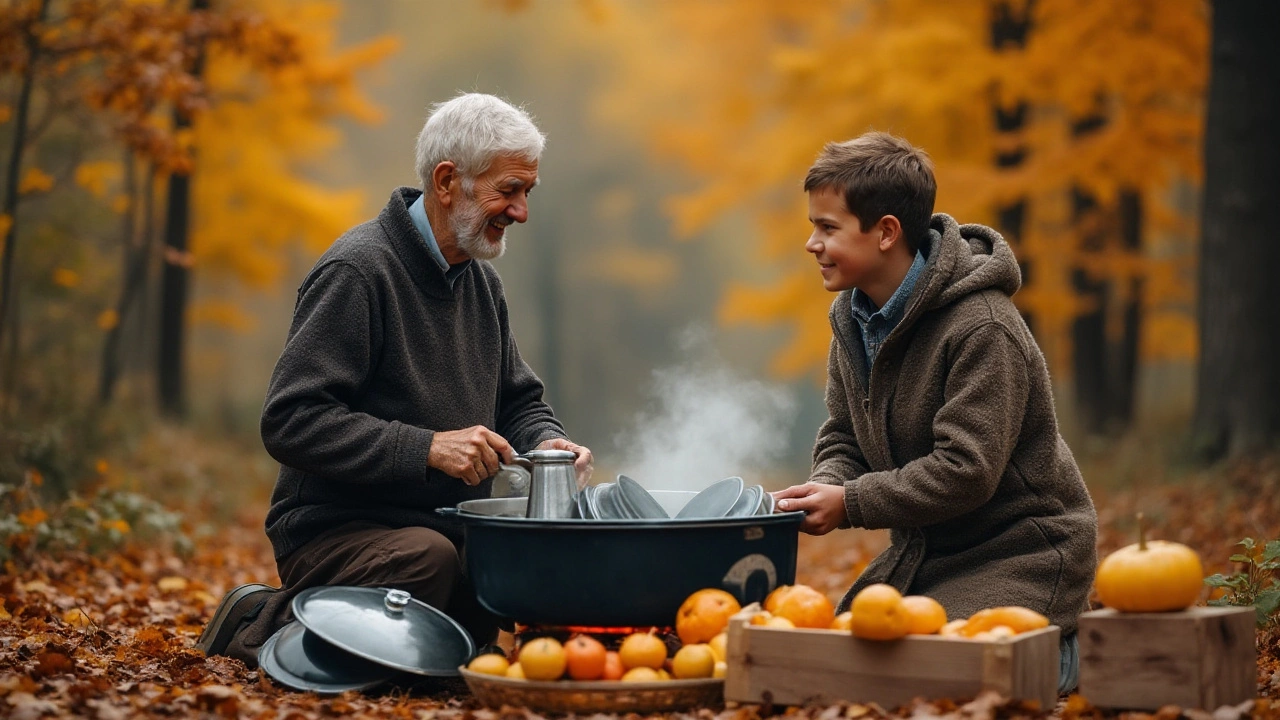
(1201,657)
(799,667)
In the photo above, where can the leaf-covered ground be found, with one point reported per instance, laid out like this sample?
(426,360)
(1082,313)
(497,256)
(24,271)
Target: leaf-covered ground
(111,636)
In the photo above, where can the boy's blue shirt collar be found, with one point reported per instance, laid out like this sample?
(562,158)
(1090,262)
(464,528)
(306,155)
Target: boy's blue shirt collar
(418,213)
(864,309)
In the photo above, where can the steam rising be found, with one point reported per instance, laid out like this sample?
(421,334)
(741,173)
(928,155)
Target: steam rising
(707,423)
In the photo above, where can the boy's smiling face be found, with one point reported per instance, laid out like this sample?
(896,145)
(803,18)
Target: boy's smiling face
(847,256)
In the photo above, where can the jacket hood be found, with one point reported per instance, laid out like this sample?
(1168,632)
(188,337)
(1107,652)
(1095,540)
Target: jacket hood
(966,259)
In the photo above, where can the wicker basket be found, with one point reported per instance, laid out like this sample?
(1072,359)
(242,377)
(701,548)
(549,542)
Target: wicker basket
(570,696)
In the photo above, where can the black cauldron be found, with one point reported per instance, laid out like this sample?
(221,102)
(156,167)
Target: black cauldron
(619,573)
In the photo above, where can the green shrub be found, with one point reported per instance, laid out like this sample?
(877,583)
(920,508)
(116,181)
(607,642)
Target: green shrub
(104,520)
(1255,583)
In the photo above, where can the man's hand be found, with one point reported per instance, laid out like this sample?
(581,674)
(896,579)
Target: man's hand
(823,506)
(472,454)
(584,464)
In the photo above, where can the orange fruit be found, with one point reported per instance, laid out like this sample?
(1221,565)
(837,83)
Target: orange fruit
(515,672)
(705,614)
(720,646)
(543,659)
(693,661)
(805,607)
(584,657)
(760,618)
(927,615)
(1016,618)
(777,621)
(877,613)
(722,669)
(843,621)
(771,601)
(641,674)
(642,650)
(613,669)
(489,664)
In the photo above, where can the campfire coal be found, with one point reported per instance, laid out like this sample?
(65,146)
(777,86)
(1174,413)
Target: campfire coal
(610,637)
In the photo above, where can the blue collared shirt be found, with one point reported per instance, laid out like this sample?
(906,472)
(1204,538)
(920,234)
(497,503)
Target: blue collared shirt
(418,213)
(876,324)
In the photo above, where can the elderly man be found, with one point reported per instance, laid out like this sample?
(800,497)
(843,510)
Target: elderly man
(400,387)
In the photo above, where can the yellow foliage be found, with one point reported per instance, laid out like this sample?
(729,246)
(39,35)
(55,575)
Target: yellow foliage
(776,81)
(98,177)
(63,277)
(120,526)
(222,314)
(252,199)
(6,222)
(35,180)
(32,517)
(6,112)
(108,319)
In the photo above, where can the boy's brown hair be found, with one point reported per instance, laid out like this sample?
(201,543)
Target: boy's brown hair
(879,174)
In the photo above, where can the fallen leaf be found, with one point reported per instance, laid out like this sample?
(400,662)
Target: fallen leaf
(172,583)
(77,618)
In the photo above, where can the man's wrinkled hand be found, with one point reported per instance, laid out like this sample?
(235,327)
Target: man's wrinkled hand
(584,464)
(471,455)
(823,506)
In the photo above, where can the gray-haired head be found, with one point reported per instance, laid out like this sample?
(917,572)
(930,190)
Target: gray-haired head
(470,131)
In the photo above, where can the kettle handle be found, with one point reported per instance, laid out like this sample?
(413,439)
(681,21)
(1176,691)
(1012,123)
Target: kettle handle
(523,462)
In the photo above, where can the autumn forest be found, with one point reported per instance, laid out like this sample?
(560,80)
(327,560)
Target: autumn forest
(173,168)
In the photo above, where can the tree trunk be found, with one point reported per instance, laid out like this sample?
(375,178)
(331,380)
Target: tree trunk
(174,281)
(13,174)
(134,277)
(1238,394)
(1122,354)
(1010,29)
(1104,359)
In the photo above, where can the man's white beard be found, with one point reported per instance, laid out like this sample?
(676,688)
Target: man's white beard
(468,224)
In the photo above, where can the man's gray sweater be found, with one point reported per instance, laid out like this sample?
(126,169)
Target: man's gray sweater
(382,353)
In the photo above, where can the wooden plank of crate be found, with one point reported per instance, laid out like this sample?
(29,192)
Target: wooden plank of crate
(1201,657)
(797,667)
(1028,668)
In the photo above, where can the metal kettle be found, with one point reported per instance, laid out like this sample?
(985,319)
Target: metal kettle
(552,482)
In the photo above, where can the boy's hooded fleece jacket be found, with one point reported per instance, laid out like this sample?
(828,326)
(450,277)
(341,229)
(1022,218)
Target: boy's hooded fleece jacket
(952,443)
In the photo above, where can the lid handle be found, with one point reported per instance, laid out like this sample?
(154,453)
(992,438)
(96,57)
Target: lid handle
(396,601)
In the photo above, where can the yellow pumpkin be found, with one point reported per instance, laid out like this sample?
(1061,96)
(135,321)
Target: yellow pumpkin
(1154,576)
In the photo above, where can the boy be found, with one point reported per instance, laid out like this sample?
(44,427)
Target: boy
(941,423)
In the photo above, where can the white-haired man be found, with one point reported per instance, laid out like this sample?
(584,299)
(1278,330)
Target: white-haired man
(400,387)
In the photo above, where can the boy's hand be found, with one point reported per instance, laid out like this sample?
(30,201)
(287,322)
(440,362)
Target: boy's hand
(823,506)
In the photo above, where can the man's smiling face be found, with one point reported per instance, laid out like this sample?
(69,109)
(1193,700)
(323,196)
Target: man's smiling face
(499,196)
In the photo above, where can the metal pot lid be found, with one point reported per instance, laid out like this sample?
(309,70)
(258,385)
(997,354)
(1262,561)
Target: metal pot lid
(553,456)
(387,627)
(297,658)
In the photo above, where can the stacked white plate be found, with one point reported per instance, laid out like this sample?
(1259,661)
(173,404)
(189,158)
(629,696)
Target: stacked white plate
(626,499)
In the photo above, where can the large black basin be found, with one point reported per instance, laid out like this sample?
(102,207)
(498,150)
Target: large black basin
(619,573)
